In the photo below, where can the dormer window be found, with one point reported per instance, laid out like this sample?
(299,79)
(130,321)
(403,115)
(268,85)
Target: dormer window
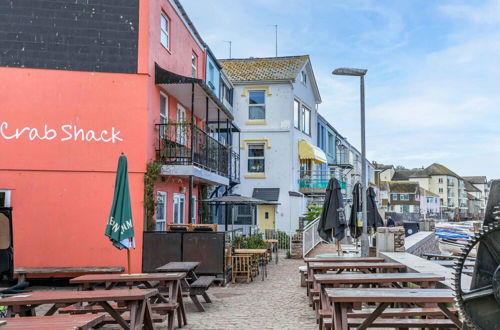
(303,77)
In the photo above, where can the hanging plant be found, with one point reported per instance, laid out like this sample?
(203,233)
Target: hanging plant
(153,170)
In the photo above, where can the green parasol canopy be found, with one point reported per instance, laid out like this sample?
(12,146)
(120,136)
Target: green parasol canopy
(120,228)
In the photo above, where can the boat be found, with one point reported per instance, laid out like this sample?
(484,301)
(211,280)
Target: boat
(454,247)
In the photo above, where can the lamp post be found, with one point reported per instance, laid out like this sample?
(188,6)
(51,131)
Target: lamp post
(364,184)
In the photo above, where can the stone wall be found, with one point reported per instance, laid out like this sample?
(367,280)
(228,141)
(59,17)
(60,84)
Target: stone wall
(297,246)
(422,242)
(390,239)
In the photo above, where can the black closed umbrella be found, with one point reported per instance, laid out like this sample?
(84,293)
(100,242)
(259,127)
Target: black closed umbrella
(332,222)
(374,218)
(355,228)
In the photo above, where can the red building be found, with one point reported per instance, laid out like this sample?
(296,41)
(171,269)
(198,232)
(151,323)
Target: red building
(82,83)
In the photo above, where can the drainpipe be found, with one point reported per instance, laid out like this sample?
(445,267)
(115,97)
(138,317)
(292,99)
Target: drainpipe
(190,193)
(206,131)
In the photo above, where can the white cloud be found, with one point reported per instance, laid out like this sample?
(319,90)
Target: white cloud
(486,13)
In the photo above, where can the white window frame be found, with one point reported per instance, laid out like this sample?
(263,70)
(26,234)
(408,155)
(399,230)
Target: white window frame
(163,117)
(165,33)
(404,197)
(257,105)
(303,77)
(303,110)
(182,211)
(193,204)
(161,222)
(182,122)
(194,65)
(394,197)
(7,197)
(296,114)
(441,191)
(249,146)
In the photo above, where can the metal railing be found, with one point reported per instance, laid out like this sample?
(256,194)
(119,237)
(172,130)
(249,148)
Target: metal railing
(234,166)
(316,179)
(310,236)
(176,142)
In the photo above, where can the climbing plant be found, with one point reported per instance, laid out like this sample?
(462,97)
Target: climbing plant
(152,172)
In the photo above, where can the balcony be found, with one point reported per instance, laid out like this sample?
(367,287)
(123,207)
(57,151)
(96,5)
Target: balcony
(315,182)
(189,151)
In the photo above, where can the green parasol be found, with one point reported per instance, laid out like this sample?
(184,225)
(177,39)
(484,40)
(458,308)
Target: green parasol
(120,228)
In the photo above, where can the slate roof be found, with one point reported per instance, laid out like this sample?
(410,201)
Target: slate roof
(427,192)
(470,187)
(402,175)
(438,169)
(475,179)
(266,194)
(403,187)
(434,169)
(264,68)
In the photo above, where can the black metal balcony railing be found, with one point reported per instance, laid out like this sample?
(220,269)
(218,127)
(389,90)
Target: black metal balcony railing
(177,140)
(234,166)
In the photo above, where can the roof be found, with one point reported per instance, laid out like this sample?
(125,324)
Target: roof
(470,187)
(237,200)
(475,179)
(402,175)
(266,194)
(379,166)
(264,68)
(472,197)
(403,187)
(438,169)
(427,192)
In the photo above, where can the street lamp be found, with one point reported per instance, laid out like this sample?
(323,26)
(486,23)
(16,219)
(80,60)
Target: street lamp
(364,184)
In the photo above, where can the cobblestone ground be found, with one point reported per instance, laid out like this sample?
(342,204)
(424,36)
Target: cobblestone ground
(279,302)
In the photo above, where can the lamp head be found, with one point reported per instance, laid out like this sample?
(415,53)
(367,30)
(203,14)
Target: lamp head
(349,72)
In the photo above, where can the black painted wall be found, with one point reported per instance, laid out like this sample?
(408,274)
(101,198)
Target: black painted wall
(81,35)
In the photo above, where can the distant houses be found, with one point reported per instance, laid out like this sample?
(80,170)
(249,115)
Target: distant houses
(442,193)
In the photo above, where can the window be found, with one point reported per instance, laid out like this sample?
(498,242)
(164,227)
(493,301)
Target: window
(5,198)
(244,215)
(163,114)
(194,65)
(256,162)
(430,200)
(440,180)
(405,208)
(257,105)
(404,197)
(181,125)
(306,120)
(303,77)
(305,168)
(296,114)
(165,29)
(331,144)
(193,208)
(161,210)
(440,190)
(179,201)
(211,75)
(394,197)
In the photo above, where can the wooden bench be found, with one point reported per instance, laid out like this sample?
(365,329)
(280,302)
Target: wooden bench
(22,272)
(200,287)
(55,322)
(404,323)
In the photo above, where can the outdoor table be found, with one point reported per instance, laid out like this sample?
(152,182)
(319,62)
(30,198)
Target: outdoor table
(274,247)
(261,253)
(425,280)
(136,299)
(187,267)
(54,322)
(342,300)
(171,281)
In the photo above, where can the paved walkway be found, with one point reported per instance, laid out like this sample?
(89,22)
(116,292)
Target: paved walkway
(279,302)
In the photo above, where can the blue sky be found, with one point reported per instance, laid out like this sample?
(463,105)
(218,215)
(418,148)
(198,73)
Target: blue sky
(433,82)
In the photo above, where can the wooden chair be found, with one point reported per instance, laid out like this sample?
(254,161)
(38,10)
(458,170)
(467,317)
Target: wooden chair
(241,267)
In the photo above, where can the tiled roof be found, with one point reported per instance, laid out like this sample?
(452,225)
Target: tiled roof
(403,187)
(268,68)
(470,187)
(438,169)
(402,175)
(427,192)
(475,179)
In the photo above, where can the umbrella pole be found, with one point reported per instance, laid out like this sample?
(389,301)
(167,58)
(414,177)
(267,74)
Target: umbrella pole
(128,262)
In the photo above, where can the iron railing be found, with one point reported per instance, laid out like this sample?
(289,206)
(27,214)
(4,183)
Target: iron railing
(310,236)
(316,179)
(234,166)
(182,144)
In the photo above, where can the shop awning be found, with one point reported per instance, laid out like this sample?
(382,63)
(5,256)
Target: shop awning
(308,151)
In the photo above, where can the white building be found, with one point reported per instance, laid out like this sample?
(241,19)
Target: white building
(275,106)
(481,191)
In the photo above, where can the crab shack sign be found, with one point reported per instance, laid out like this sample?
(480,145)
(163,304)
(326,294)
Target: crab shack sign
(65,133)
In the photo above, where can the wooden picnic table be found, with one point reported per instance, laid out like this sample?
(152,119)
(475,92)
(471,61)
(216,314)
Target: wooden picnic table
(261,253)
(136,299)
(187,267)
(397,280)
(54,322)
(170,281)
(322,267)
(342,300)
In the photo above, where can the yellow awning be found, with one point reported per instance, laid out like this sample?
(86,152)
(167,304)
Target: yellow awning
(308,151)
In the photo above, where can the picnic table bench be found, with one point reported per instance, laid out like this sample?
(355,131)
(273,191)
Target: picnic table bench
(192,283)
(397,280)
(136,299)
(451,263)
(168,281)
(343,299)
(23,272)
(54,322)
